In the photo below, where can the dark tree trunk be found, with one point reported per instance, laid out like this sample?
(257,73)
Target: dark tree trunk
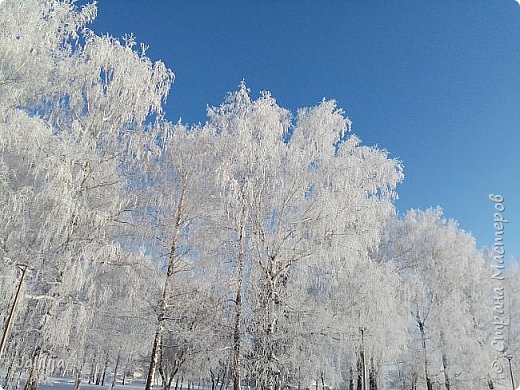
(429,385)
(77,378)
(415,378)
(445,370)
(8,373)
(238,309)
(372,377)
(114,379)
(92,373)
(359,368)
(163,303)
(104,372)
(167,384)
(32,380)
(156,347)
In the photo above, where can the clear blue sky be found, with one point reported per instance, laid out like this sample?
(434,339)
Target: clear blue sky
(436,83)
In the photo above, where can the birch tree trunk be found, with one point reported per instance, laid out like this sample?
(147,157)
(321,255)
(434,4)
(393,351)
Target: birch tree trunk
(237,337)
(164,302)
(445,371)
(77,378)
(429,385)
(114,379)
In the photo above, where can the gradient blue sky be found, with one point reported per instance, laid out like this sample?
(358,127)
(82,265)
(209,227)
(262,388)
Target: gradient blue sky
(436,83)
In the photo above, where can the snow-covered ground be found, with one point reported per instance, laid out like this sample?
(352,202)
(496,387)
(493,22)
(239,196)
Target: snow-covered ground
(68,384)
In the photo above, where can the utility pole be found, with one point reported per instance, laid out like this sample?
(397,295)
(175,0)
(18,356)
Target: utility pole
(509,358)
(10,318)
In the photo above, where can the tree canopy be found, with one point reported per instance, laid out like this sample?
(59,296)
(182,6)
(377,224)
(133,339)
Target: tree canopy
(261,248)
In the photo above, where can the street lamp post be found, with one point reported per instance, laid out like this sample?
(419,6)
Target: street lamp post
(509,358)
(10,318)
(363,359)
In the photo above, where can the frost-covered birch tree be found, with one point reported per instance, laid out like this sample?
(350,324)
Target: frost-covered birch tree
(296,188)
(73,105)
(175,199)
(448,284)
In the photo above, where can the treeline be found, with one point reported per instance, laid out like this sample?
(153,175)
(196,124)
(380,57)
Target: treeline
(259,249)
